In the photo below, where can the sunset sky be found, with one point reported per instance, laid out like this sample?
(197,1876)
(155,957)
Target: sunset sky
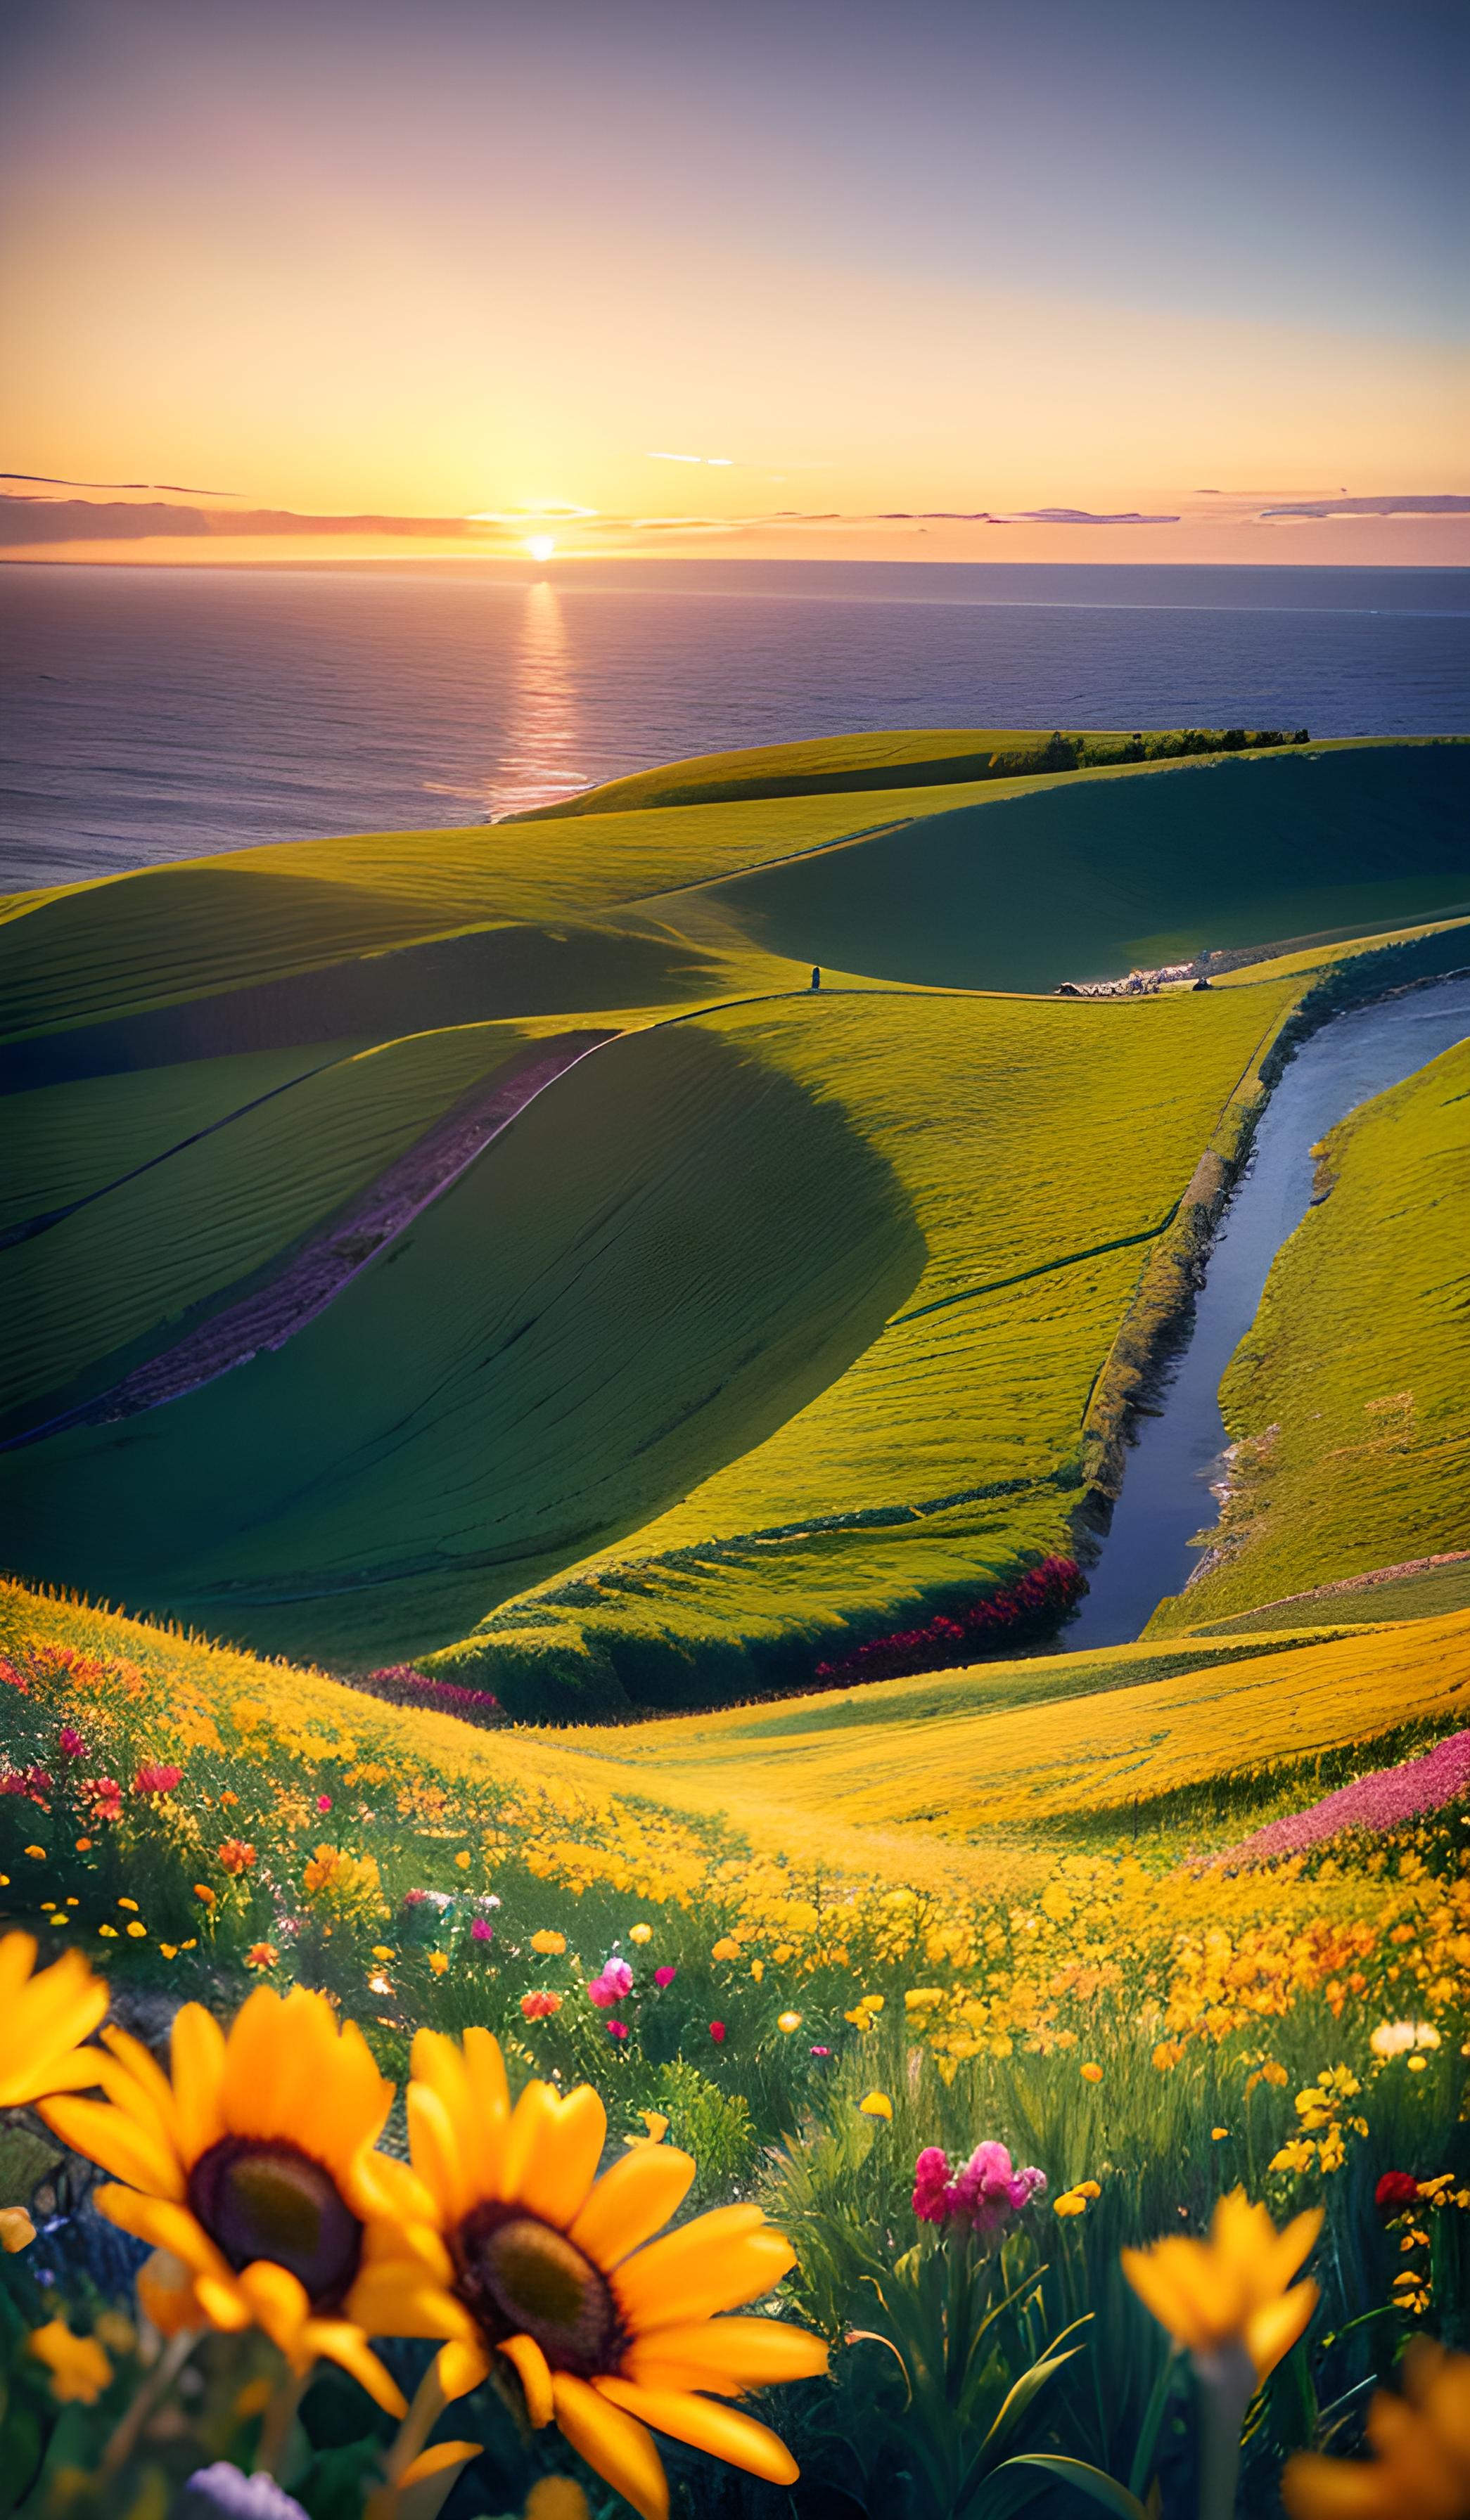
(467,268)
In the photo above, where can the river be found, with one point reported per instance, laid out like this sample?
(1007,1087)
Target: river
(1177,1454)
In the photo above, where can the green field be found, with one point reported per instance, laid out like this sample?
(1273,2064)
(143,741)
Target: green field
(1349,1400)
(787,1321)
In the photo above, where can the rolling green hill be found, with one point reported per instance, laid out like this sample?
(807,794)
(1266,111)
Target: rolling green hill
(1349,1399)
(1089,877)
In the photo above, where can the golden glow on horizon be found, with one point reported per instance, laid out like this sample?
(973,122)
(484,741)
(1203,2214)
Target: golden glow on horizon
(540,546)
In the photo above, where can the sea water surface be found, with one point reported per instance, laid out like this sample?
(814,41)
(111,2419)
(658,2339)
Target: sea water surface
(1176,1459)
(154,714)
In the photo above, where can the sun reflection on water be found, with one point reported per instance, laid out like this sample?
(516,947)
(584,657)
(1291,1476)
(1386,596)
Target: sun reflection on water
(539,760)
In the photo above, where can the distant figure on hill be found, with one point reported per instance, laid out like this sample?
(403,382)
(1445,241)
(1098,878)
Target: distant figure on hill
(816,975)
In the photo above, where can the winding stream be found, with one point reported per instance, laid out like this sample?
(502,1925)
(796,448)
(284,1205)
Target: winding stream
(1165,1495)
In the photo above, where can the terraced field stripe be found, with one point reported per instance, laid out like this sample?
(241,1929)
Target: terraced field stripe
(1042,1269)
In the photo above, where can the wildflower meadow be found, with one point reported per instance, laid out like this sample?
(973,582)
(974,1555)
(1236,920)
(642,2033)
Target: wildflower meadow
(1112,2171)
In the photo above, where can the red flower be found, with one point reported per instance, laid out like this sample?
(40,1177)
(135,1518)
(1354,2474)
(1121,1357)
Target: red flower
(157,1778)
(105,1796)
(1395,2191)
(717,2031)
(617,2029)
(665,1977)
(71,1743)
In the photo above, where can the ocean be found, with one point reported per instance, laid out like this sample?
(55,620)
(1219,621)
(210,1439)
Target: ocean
(166,712)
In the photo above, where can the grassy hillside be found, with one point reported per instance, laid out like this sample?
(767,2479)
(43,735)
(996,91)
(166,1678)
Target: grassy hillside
(1087,876)
(106,1285)
(1043,1148)
(1349,1400)
(64,1143)
(834,765)
(672,1252)
(1100,869)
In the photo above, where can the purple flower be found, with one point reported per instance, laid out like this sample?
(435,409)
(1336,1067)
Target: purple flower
(222,2493)
(1382,1800)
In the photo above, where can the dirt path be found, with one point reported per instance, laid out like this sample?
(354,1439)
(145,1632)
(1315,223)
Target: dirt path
(316,1275)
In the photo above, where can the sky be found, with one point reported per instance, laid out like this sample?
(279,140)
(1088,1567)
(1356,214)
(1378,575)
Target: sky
(988,278)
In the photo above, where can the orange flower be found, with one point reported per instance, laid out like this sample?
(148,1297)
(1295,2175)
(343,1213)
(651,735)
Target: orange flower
(261,1956)
(236,1857)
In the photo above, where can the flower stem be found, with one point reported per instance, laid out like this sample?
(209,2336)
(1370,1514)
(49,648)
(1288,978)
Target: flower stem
(280,2415)
(146,2399)
(428,2404)
(1227,2384)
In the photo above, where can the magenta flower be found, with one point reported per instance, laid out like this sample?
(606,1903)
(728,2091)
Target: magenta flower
(324,1802)
(481,1930)
(617,2029)
(71,1743)
(983,2193)
(665,1977)
(618,1975)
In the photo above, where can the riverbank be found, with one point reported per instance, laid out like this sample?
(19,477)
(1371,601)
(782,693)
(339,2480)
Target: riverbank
(1158,1366)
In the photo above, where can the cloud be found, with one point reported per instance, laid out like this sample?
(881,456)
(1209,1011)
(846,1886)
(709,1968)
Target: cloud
(1439,503)
(59,481)
(1084,517)
(85,521)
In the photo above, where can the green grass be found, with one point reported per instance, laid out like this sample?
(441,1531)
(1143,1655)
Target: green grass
(1350,1395)
(1044,1148)
(1432,1593)
(1088,876)
(111,1283)
(1014,884)
(669,1253)
(66,1142)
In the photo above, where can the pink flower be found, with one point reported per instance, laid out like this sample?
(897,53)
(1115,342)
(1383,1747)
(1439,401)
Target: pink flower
(983,2193)
(665,1977)
(821,2051)
(1380,1800)
(717,2033)
(602,1995)
(157,1778)
(105,1795)
(71,1743)
(618,1975)
(324,1802)
(481,1930)
(617,2029)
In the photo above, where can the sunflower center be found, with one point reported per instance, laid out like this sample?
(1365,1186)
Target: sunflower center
(519,2277)
(269,2200)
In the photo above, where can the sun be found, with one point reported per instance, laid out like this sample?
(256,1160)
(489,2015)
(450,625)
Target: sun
(540,546)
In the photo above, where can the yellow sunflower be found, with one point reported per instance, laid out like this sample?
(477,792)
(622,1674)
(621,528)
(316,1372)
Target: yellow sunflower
(253,2166)
(545,2264)
(44,2015)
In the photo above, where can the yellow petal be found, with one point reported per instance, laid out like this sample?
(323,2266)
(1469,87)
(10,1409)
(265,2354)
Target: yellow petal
(433,2462)
(620,2449)
(391,2300)
(705,2425)
(197,2058)
(117,2143)
(164,2224)
(254,2059)
(534,2374)
(222,2303)
(345,2344)
(461,2367)
(1272,2332)
(278,2299)
(151,2087)
(438,2064)
(560,2171)
(631,2201)
(1313,2488)
(533,2121)
(726,2354)
(437,2158)
(718,2262)
(485,2066)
